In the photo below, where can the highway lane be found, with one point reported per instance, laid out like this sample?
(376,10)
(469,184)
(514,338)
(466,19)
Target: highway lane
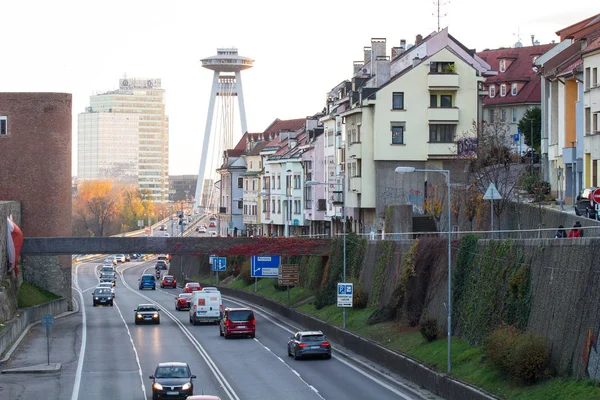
(251,366)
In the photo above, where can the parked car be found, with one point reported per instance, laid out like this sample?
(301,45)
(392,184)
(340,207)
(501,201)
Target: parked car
(168,281)
(192,287)
(172,380)
(530,156)
(146,313)
(182,301)
(102,296)
(309,343)
(147,281)
(585,205)
(239,322)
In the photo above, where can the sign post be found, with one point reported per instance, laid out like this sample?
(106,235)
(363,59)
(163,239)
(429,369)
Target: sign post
(288,276)
(490,194)
(219,264)
(47,321)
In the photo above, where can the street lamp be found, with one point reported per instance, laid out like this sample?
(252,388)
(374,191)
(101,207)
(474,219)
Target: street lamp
(313,183)
(402,170)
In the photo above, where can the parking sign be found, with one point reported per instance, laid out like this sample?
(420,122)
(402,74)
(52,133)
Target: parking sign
(344,294)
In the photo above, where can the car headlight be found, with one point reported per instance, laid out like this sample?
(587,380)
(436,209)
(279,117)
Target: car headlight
(186,386)
(139,316)
(157,386)
(95,298)
(155,316)
(108,298)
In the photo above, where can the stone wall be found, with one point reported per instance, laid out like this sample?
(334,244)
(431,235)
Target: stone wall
(9,284)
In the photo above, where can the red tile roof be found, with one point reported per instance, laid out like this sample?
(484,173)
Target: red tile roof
(580,29)
(241,145)
(593,46)
(569,68)
(519,71)
(287,125)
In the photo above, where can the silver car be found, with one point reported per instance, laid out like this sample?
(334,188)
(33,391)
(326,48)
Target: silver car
(107,285)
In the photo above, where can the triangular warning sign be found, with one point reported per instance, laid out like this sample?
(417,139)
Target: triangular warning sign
(492,193)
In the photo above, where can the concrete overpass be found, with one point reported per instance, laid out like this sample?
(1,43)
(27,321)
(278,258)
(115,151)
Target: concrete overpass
(51,246)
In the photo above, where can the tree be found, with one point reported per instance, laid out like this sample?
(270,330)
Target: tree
(95,207)
(531,128)
(434,203)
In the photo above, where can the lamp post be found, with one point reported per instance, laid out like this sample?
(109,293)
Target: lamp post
(313,183)
(402,170)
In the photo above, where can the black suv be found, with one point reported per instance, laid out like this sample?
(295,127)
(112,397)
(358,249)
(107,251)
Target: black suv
(172,380)
(584,204)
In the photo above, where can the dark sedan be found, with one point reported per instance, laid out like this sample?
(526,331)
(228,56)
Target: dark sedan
(102,296)
(172,380)
(146,313)
(109,277)
(309,343)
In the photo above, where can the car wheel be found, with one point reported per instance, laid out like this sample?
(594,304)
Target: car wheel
(328,357)
(220,331)
(176,308)
(158,322)
(136,322)
(94,304)
(112,304)
(289,352)
(153,287)
(252,336)
(295,355)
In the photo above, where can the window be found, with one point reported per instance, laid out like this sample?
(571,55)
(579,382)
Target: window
(502,65)
(441,133)
(491,114)
(442,68)
(3,126)
(246,185)
(358,133)
(513,90)
(398,134)
(278,181)
(398,100)
(446,101)
(514,115)
(297,204)
(492,90)
(433,100)
(278,206)
(240,204)
(502,90)
(273,207)
(595,77)
(240,182)
(250,164)
(587,78)
(296,181)
(503,115)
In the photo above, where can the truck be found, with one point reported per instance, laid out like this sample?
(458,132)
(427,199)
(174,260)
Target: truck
(206,307)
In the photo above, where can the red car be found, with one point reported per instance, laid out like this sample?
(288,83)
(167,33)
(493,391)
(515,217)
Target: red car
(168,281)
(192,287)
(212,225)
(237,321)
(183,301)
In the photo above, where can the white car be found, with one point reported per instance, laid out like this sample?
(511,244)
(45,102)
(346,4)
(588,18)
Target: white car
(202,229)
(120,258)
(107,285)
(111,259)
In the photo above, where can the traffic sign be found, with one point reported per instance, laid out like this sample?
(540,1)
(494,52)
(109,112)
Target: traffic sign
(265,266)
(492,193)
(211,258)
(47,320)
(345,293)
(219,264)
(288,275)
(596,196)
(516,137)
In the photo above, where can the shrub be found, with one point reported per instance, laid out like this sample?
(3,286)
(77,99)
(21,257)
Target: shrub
(429,330)
(499,345)
(279,288)
(359,297)
(245,272)
(529,358)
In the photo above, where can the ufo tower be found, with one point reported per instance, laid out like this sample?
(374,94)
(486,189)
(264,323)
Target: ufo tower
(227,67)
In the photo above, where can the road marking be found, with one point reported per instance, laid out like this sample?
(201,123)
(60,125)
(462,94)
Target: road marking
(291,369)
(76,385)
(267,316)
(137,358)
(211,364)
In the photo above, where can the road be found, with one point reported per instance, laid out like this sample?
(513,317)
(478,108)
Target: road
(119,355)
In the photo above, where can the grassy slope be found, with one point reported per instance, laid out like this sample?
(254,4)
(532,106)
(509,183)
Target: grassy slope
(30,295)
(467,361)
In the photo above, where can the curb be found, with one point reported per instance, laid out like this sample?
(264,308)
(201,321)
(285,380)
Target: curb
(17,342)
(34,369)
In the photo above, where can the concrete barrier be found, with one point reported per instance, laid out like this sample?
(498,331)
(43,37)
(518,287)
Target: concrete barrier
(26,316)
(403,365)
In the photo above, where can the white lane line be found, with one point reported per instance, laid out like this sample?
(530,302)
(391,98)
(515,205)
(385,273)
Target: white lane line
(231,394)
(76,385)
(291,369)
(380,382)
(137,358)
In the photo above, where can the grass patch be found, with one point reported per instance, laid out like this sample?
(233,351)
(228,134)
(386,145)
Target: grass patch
(31,295)
(468,363)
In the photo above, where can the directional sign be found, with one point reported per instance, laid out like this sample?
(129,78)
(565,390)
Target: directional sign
(288,275)
(219,264)
(345,292)
(492,193)
(265,266)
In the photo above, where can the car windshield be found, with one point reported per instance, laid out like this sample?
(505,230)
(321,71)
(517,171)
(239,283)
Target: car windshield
(146,308)
(313,338)
(241,315)
(147,278)
(172,372)
(107,276)
(168,278)
(102,291)
(193,284)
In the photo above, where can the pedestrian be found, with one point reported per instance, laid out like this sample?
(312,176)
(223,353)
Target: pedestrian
(560,233)
(575,232)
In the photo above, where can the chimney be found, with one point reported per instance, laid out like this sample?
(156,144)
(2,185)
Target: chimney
(292,143)
(396,51)
(418,40)
(357,65)
(403,44)
(378,47)
(367,53)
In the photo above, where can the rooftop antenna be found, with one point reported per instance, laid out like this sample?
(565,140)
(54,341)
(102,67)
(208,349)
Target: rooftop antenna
(439,4)
(518,35)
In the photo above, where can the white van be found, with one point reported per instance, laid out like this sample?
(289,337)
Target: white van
(206,306)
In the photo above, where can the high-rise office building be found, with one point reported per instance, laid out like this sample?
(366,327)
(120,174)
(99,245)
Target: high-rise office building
(124,135)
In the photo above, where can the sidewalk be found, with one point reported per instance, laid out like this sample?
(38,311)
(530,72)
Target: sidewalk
(29,356)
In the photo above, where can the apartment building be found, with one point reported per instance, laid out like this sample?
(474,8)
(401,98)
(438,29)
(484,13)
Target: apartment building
(231,193)
(591,120)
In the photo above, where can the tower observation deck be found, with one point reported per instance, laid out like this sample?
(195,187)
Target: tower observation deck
(226,86)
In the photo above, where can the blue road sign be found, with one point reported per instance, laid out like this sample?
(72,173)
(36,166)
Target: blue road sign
(219,264)
(265,266)
(516,137)
(47,319)
(344,294)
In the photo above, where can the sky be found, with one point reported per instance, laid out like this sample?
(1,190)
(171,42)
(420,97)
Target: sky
(301,49)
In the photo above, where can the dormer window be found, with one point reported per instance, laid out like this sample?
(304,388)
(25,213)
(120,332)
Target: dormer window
(502,65)
(513,90)
(502,90)
(492,91)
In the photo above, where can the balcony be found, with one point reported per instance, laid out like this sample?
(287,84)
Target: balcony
(355,150)
(440,150)
(443,81)
(250,219)
(443,114)
(356,184)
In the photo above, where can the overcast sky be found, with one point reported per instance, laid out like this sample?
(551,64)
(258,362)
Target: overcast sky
(301,49)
